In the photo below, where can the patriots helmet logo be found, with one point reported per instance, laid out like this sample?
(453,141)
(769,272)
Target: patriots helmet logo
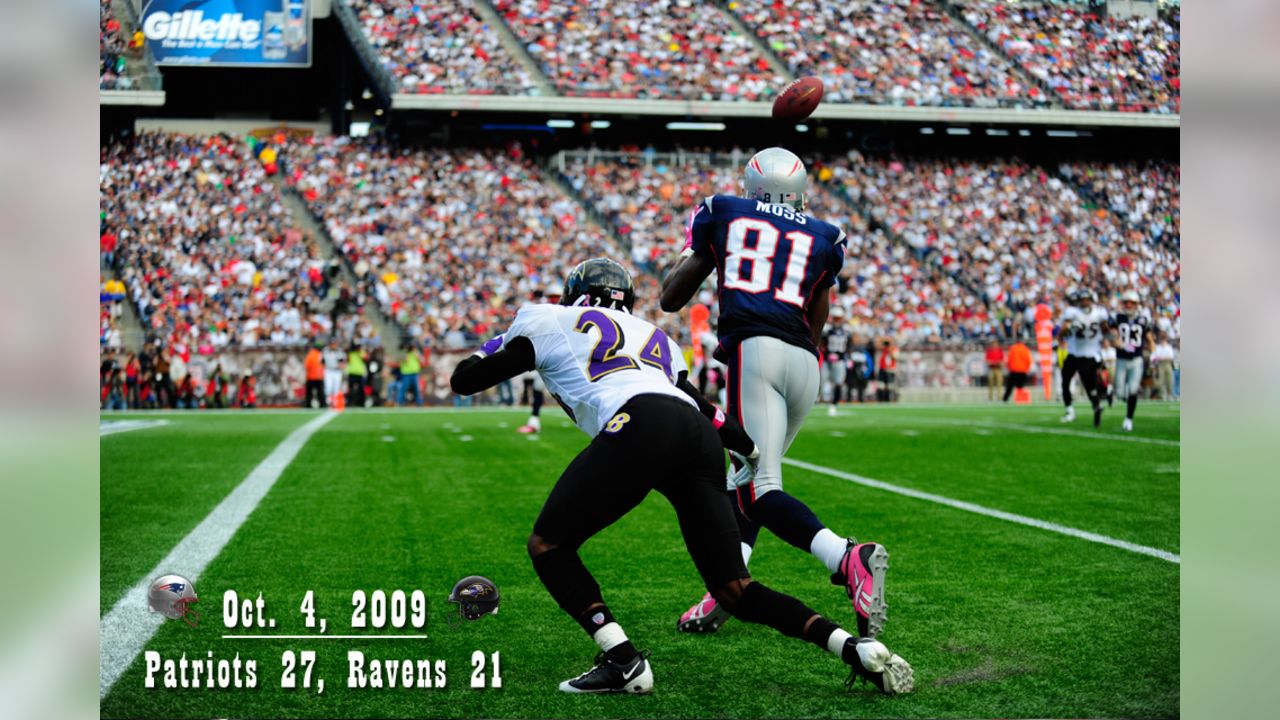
(173,597)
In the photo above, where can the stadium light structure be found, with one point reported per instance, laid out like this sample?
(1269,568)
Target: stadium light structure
(695,126)
(560,123)
(958,131)
(926,131)
(997,132)
(600,124)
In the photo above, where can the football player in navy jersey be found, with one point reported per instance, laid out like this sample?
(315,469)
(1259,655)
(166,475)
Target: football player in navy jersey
(1133,331)
(775,267)
(835,346)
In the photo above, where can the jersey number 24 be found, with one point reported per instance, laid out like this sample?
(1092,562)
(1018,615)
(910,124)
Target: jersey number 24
(605,356)
(760,276)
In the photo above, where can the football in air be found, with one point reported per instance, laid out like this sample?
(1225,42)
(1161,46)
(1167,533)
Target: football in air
(798,100)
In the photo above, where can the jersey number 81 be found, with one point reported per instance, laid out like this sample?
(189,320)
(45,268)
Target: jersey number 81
(761,259)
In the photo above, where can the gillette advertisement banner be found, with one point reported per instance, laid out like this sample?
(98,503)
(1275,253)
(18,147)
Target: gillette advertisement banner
(266,33)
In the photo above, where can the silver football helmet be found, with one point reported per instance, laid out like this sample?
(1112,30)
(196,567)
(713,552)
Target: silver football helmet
(173,596)
(776,175)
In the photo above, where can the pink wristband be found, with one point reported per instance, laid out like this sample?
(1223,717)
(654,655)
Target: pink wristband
(719,419)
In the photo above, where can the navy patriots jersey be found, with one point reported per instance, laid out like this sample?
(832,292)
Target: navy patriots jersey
(770,262)
(837,343)
(1132,335)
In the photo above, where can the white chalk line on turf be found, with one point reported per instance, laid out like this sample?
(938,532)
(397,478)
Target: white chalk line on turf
(129,626)
(1046,430)
(989,512)
(123,426)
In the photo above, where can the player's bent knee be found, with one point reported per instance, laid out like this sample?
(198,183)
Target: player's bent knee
(729,595)
(537,545)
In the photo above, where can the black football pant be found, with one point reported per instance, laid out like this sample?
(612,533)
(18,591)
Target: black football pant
(1014,380)
(656,442)
(1087,368)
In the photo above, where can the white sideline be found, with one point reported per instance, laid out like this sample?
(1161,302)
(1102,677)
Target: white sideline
(129,626)
(989,512)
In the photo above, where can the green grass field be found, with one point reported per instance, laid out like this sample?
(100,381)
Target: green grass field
(999,619)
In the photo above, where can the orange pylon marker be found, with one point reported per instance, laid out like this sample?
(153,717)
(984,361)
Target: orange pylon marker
(340,402)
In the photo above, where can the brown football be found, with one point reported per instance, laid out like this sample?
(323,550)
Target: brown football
(798,100)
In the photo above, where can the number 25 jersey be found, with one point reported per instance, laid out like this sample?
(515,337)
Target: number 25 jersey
(771,261)
(594,360)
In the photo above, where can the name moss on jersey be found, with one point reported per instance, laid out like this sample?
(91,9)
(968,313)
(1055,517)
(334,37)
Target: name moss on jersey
(1084,330)
(771,261)
(593,360)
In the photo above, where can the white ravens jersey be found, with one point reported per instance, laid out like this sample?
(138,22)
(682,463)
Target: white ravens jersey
(1083,330)
(593,360)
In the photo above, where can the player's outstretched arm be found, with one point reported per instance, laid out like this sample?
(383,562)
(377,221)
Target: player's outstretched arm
(680,285)
(490,366)
(732,435)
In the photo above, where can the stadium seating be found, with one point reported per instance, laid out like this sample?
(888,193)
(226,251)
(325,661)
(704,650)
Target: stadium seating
(899,52)
(1145,194)
(1120,64)
(658,49)
(439,47)
(454,240)
(112,43)
(1018,233)
(210,257)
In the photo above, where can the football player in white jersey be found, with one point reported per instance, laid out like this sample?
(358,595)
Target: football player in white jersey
(626,385)
(1083,324)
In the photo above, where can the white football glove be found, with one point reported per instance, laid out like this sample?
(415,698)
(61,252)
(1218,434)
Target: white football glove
(747,465)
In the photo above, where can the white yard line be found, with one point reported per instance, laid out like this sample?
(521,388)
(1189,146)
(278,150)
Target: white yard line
(129,626)
(989,512)
(1044,430)
(122,426)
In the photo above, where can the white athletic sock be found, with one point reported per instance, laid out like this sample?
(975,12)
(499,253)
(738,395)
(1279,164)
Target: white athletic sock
(835,643)
(829,548)
(746,554)
(609,636)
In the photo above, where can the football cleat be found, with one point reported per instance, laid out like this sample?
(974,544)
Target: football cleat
(862,571)
(871,661)
(704,617)
(1097,415)
(831,411)
(607,676)
(1069,416)
(526,429)
(1127,425)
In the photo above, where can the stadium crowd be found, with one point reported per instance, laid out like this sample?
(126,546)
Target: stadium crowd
(1146,194)
(1129,64)
(657,49)
(439,47)
(1017,233)
(453,240)
(207,253)
(113,41)
(899,52)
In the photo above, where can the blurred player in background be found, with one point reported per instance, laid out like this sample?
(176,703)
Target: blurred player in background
(860,362)
(835,351)
(334,362)
(1133,335)
(1084,324)
(625,384)
(776,267)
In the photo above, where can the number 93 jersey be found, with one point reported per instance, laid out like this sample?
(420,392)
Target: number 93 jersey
(593,360)
(771,262)
(1084,329)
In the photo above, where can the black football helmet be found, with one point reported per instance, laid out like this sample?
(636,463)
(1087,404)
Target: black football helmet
(476,597)
(602,282)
